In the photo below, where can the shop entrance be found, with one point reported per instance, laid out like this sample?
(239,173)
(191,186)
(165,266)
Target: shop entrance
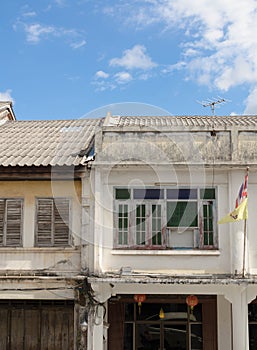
(162,324)
(37,325)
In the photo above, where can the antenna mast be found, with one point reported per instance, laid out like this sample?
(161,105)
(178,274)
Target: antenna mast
(212,103)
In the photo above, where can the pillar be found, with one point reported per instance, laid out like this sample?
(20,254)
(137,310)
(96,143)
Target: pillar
(97,326)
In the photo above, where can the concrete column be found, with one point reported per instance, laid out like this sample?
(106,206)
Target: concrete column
(240,297)
(224,323)
(97,327)
(96,339)
(240,322)
(98,246)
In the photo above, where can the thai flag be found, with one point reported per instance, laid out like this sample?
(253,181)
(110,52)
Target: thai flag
(242,191)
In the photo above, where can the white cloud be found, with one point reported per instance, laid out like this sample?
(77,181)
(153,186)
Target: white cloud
(219,43)
(173,67)
(6,96)
(102,85)
(29,14)
(78,45)
(36,31)
(251,102)
(135,58)
(132,59)
(122,77)
(60,3)
(101,74)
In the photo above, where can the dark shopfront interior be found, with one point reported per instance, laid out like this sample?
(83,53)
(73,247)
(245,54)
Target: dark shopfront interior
(162,323)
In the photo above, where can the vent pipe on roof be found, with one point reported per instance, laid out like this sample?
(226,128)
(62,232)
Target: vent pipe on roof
(111,120)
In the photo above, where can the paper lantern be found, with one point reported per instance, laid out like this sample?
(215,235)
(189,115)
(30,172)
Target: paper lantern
(139,299)
(192,301)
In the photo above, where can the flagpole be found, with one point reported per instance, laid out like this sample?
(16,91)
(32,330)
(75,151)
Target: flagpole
(244,248)
(245,226)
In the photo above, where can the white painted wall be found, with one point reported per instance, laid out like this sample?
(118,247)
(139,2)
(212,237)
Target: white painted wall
(167,261)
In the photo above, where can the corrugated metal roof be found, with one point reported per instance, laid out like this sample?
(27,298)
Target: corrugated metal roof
(47,142)
(184,121)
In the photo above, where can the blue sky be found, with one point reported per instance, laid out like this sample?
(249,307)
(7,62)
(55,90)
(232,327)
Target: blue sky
(65,59)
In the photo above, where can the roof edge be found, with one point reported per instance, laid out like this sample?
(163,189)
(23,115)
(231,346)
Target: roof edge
(6,111)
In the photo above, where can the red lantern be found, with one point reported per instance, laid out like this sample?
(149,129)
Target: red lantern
(192,301)
(139,299)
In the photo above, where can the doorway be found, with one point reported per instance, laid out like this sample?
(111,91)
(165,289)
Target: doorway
(36,325)
(162,324)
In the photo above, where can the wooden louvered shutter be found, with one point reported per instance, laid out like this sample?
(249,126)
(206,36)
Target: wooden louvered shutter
(61,222)
(53,222)
(13,222)
(44,222)
(2,220)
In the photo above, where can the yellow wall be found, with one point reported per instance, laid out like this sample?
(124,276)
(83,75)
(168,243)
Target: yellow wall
(30,257)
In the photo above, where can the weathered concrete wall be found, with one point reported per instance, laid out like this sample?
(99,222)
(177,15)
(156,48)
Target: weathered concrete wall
(247,146)
(237,146)
(176,147)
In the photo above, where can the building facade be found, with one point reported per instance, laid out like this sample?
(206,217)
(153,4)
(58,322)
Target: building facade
(165,274)
(41,243)
(109,234)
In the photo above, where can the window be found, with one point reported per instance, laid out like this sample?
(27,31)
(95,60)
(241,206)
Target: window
(165,218)
(52,222)
(11,222)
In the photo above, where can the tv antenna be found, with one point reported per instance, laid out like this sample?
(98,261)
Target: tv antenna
(212,103)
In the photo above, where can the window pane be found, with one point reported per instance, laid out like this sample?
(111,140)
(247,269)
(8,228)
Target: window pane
(196,337)
(148,336)
(129,312)
(182,214)
(140,224)
(148,193)
(175,336)
(207,193)
(122,193)
(123,224)
(208,223)
(252,312)
(252,318)
(197,313)
(182,193)
(252,336)
(128,336)
(156,225)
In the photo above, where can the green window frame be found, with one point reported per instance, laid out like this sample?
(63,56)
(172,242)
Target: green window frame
(144,217)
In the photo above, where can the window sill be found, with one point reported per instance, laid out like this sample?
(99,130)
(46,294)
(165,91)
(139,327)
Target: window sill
(38,249)
(173,252)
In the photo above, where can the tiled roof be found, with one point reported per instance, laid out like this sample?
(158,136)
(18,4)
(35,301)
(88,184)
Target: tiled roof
(183,121)
(47,142)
